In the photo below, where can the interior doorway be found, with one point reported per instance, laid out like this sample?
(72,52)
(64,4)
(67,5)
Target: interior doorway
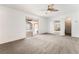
(35,27)
(68,26)
(32,27)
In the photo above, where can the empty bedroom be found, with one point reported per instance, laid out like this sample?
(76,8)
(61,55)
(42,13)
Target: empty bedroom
(39,28)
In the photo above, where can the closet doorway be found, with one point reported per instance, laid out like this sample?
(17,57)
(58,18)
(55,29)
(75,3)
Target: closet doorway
(68,26)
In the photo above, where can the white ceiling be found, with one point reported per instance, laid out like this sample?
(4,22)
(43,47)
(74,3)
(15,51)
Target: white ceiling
(40,9)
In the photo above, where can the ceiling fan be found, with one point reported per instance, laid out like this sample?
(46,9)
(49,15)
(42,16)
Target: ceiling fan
(51,8)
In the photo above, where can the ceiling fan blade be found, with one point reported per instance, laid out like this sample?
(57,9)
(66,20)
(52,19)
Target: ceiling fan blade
(51,7)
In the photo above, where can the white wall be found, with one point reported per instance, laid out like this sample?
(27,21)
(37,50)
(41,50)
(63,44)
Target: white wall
(51,25)
(61,18)
(75,25)
(12,24)
(43,25)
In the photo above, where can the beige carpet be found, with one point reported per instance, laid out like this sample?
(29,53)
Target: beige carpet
(43,44)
